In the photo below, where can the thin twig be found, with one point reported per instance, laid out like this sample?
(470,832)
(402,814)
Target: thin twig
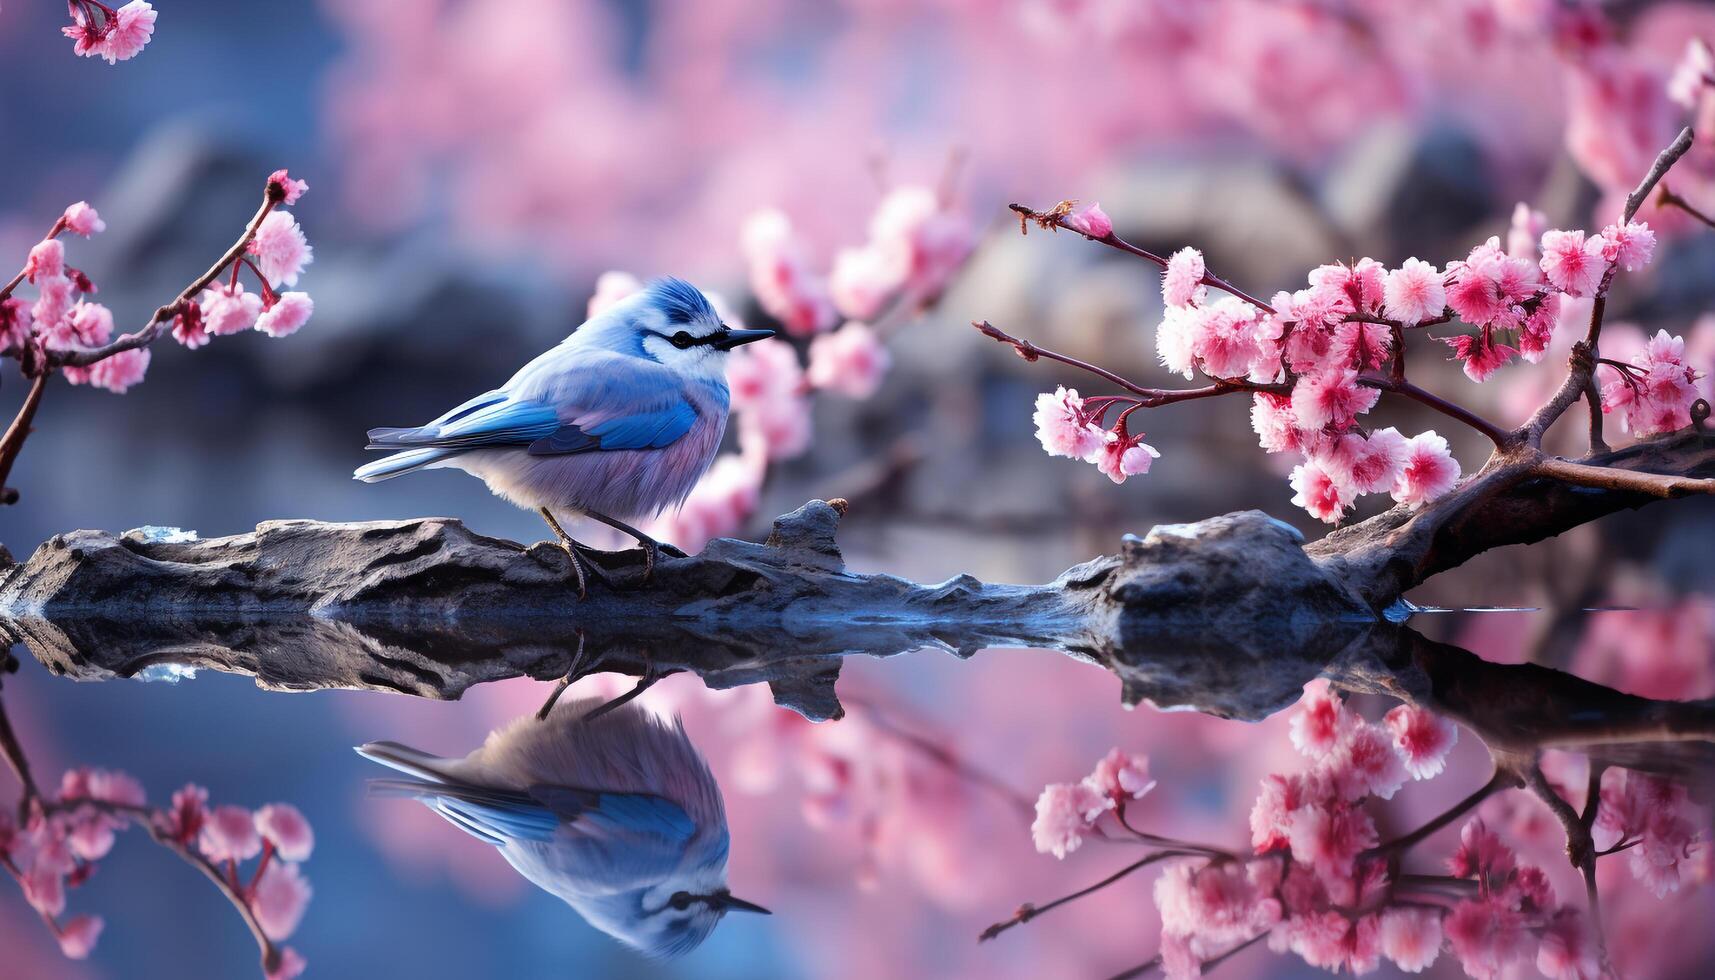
(1027,912)
(1154,962)
(1502,779)
(1148,397)
(1056,218)
(1663,485)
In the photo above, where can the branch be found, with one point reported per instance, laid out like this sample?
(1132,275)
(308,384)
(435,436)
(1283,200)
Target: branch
(1056,218)
(1027,911)
(1146,397)
(1520,497)
(1228,616)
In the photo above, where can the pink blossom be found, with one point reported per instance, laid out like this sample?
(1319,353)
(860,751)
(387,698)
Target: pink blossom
(1572,262)
(852,361)
(1176,339)
(780,276)
(85,325)
(77,936)
(289,312)
(279,899)
(1182,282)
(1631,246)
(1319,720)
(782,431)
(90,834)
(610,288)
(1414,292)
(1121,775)
(189,328)
(1279,797)
(1365,763)
(44,889)
(82,219)
(929,241)
(1487,937)
(1124,456)
(291,965)
(1526,229)
(764,375)
(864,281)
(128,32)
(1482,354)
(1215,906)
(1358,288)
(1537,330)
(1063,428)
(227,309)
(1065,812)
(229,835)
(1090,220)
(1429,471)
(280,249)
(1423,739)
(1329,837)
(283,826)
(15,320)
(1325,498)
(1657,396)
(1223,337)
(290,190)
(1693,75)
(1481,854)
(1658,815)
(1411,938)
(1487,287)
(1568,950)
(47,260)
(1275,424)
(1361,346)
(1369,464)
(1332,398)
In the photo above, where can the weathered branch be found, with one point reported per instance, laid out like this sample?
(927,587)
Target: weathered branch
(1228,616)
(1519,498)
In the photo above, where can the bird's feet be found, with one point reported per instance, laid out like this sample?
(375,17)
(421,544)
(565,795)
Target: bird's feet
(644,683)
(652,549)
(574,673)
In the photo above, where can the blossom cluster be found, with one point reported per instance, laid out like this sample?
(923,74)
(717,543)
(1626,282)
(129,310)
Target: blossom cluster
(916,243)
(63,319)
(1066,813)
(58,846)
(1317,359)
(99,31)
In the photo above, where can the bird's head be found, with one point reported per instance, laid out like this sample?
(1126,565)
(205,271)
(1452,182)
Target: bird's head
(673,323)
(674,916)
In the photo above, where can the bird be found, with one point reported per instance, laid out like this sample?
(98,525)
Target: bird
(619,421)
(618,816)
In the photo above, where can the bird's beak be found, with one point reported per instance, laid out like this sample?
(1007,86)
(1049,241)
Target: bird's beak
(729,903)
(735,338)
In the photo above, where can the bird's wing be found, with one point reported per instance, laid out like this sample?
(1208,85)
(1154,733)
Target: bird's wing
(606,402)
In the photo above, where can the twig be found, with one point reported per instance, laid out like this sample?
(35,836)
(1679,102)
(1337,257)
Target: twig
(1580,850)
(1497,435)
(1147,397)
(1663,485)
(1502,779)
(13,441)
(1669,199)
(1154,962)
(1027,912)
(1056,218)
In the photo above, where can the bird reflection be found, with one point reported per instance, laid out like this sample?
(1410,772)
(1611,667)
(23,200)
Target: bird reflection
(618,815)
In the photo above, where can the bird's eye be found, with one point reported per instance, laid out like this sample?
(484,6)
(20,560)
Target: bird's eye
(680,900)
(682,340)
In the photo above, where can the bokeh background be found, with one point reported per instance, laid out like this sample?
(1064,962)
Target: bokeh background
(474,166)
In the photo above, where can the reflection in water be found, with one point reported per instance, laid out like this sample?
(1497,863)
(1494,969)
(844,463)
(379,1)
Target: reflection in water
(617,815)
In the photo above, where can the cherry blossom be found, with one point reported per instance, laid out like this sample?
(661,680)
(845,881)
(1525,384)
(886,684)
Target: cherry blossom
(1065,813)
(281,825)
(1315,490)
(1411,938)
(290,190)
(1482,355)
(1569,950)
(1319,721)
(78,934)
(1654,393)
(228,309)
(120,371)
(280,249)
(1063,426)
(1487,937)
(610,288)
(780,275)
(1414,292)
(289,312)
(229,835)
(851,360)
(1429,470)
(113,35)
(1182,282)
(1365,763)
(1332,398)
(1423,739)
(1122,775)
(81,219)
(279,899)
(1630,246)
(1572,262)
(1091,220)
(1371,463)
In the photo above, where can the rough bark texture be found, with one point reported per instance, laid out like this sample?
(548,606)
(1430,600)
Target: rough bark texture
(1228,616)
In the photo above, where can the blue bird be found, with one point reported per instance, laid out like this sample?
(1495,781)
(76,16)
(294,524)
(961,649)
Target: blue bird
(617,815)
(619,421)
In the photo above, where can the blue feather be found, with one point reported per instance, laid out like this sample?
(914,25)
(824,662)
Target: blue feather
(682,302)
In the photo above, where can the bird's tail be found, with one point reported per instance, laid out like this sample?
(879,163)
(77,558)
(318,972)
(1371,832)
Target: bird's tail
(399,464)
(422,765)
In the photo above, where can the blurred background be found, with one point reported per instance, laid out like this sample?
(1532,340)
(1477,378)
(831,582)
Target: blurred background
(475,166)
